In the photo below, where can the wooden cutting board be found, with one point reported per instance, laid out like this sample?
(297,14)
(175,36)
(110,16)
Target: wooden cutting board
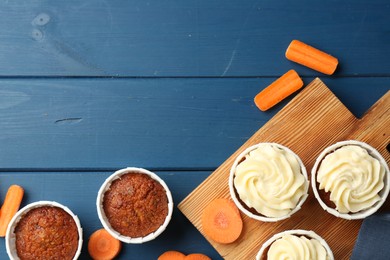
(313,120)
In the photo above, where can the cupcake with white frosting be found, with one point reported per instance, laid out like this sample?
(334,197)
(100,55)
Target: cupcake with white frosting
(295,244)
(350,179)
(268,182)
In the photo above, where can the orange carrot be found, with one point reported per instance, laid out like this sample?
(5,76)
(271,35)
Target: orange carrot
(103,246)
(11,205)
(197,257)
(172,255)
(176,255)
(311,57)
(221,221)
(278,90)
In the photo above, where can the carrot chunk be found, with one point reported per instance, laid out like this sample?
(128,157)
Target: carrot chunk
(197,256)
(311,57)
(172,255)
(221,221)
(11,205)
(278,90)
(103,246)
(176,255)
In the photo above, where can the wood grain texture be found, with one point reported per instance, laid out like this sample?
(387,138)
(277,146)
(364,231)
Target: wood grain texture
(314,119)
(154,123)
(78,191)
(188,38)
(87,87)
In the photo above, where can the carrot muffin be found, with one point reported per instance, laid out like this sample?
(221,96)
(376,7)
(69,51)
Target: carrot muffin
(45,231)
(295,244)
(134,204)
(350,179)
(268,182)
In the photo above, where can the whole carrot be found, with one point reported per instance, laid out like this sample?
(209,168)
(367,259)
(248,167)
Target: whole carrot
(11,205)
(311,57)
(278,90)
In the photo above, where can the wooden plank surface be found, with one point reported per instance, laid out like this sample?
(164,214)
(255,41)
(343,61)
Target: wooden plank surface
(78,191)
(87,87)
(313,120)
(188,38)
(109,123)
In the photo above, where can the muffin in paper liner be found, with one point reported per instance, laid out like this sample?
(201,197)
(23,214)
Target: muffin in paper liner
(104,219)
(261,255)
(252,213)
(361,214)
(10,239)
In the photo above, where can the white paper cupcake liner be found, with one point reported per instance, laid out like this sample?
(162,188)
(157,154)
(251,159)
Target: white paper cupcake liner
(260,217)
(10,235)
(383,193)
(102,216)
(296,232)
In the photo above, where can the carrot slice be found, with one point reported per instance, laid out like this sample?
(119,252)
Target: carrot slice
(103,246)
(172,255)
(221,221)
(11,205)
(197,256)
(311,57)
(278,90)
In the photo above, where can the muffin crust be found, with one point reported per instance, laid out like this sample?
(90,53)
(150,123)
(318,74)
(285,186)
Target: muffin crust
(46,233)
(135,204)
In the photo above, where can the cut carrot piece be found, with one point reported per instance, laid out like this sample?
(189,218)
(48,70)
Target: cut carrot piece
(197,257)
(11,205)
(311,57)
(103,246)
(172,255)
(176,255)
(221,221)
(278,90)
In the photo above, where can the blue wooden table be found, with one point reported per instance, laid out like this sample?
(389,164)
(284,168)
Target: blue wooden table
(89,87)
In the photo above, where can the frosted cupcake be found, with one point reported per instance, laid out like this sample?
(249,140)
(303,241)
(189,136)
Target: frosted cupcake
(268,182)
(44,230)
(350,179)
(134,205)
(295,244)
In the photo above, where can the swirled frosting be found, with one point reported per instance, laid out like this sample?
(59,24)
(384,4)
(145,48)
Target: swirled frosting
(353,177)
(270,180)
(296,247)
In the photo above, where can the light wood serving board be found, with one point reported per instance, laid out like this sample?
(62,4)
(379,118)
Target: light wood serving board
(313,120)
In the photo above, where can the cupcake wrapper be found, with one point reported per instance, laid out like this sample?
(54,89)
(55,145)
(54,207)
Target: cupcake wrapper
(297,232)
(259,216)
(383,194)
(102,216)
(10,235)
